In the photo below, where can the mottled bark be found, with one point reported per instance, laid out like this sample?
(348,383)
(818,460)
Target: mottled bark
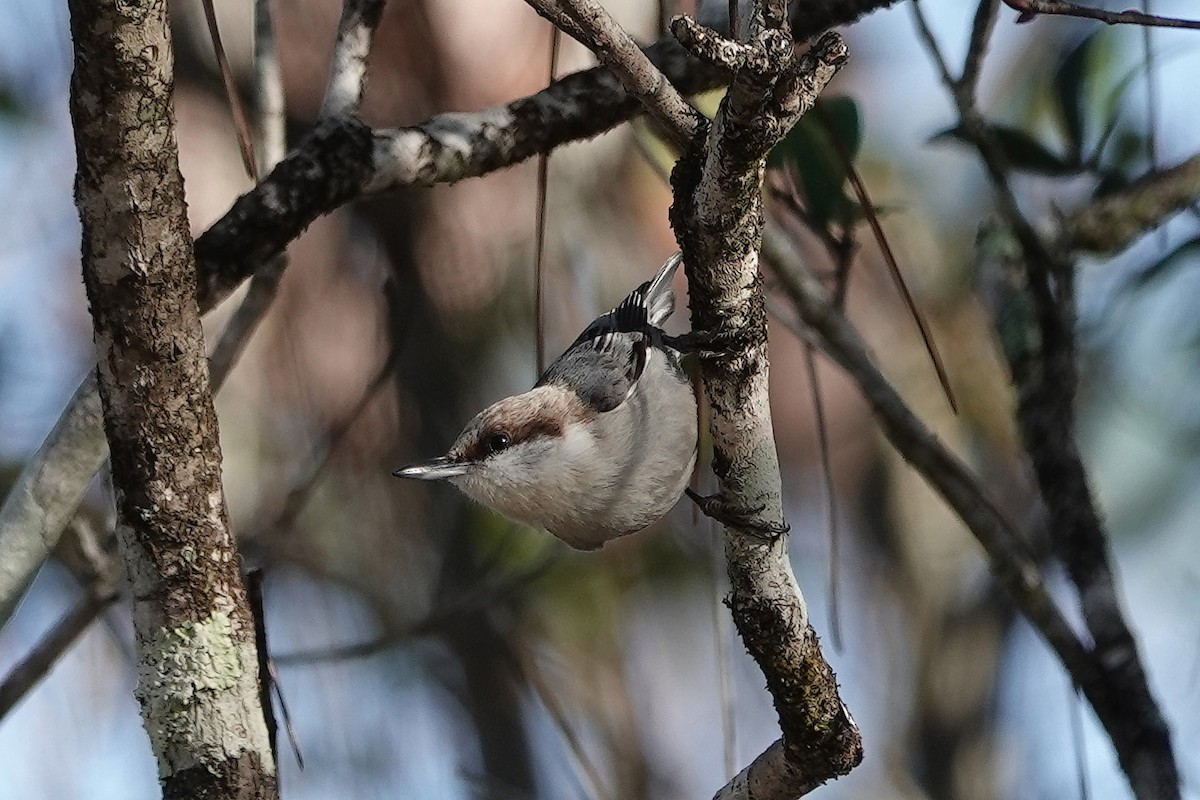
(197,682)
(718,220)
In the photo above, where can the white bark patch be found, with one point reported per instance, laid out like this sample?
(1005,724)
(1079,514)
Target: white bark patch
(191,682)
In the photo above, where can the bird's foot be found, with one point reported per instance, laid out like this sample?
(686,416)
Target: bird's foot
(745,519)
(718,343)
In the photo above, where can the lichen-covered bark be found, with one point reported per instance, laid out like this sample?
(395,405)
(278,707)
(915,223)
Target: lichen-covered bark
(197,676)
(718,220)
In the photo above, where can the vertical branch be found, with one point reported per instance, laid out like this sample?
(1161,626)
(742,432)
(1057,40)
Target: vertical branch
(718,220)
(348,72)
(272,133)
(1045,372)
(197,683)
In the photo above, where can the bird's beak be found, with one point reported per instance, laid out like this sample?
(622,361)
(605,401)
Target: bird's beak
(435,470)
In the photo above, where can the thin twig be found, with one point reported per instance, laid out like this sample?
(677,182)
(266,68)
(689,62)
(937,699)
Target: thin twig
(889,258)
(537,681)
(46,653)
(831,515)
(981,33)
(543,169)
(1078,739)
(245,145)
(1031,8)
(268,89)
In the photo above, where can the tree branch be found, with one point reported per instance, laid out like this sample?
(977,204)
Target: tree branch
(194,636)
(1110,224)
(1046,376)
(595,29)
(348,72)
(717,217)
(1031,8)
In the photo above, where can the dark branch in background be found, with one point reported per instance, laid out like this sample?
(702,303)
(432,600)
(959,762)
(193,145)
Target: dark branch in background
(1031,8)
(539,236)
(1045,371)
(1011,562)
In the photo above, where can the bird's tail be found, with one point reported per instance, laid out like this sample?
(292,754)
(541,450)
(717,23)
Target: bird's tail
(659,296)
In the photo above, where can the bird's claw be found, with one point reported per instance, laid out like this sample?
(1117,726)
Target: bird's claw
(744,519)
(719,343)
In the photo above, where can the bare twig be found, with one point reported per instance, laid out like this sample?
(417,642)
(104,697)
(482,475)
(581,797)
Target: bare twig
(272,127)
(348,72)
(831,514)
(245,144)
(37,664)
(1031,8)
(981,33)
(268,90)
(539,252)
(599,32)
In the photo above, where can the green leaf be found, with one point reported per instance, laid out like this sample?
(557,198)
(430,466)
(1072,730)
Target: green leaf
(818,169)
(1022,151)
(841,115)
(1069,88)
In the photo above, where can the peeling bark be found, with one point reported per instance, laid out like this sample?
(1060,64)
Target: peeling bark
(197,681)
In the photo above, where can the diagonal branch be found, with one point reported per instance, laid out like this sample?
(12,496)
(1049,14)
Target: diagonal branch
(587,22)
(1045,372)
(1110,224)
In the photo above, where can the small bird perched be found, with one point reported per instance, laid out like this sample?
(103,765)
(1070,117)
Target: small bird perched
(602,446)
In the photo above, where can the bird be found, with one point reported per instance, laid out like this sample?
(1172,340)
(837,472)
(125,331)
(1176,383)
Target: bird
(604,443)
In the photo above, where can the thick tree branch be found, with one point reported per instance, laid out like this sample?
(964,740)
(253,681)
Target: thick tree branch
(193,631)
(1112,223)
(717,216)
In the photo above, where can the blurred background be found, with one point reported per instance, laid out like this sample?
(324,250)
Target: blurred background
(429,649)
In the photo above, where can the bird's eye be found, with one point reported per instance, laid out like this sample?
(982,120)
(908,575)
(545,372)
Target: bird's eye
(498,441)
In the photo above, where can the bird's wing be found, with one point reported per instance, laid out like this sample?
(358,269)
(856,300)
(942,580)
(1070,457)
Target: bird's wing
(604,364)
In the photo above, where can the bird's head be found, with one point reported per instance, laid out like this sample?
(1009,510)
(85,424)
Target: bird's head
(511,450)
